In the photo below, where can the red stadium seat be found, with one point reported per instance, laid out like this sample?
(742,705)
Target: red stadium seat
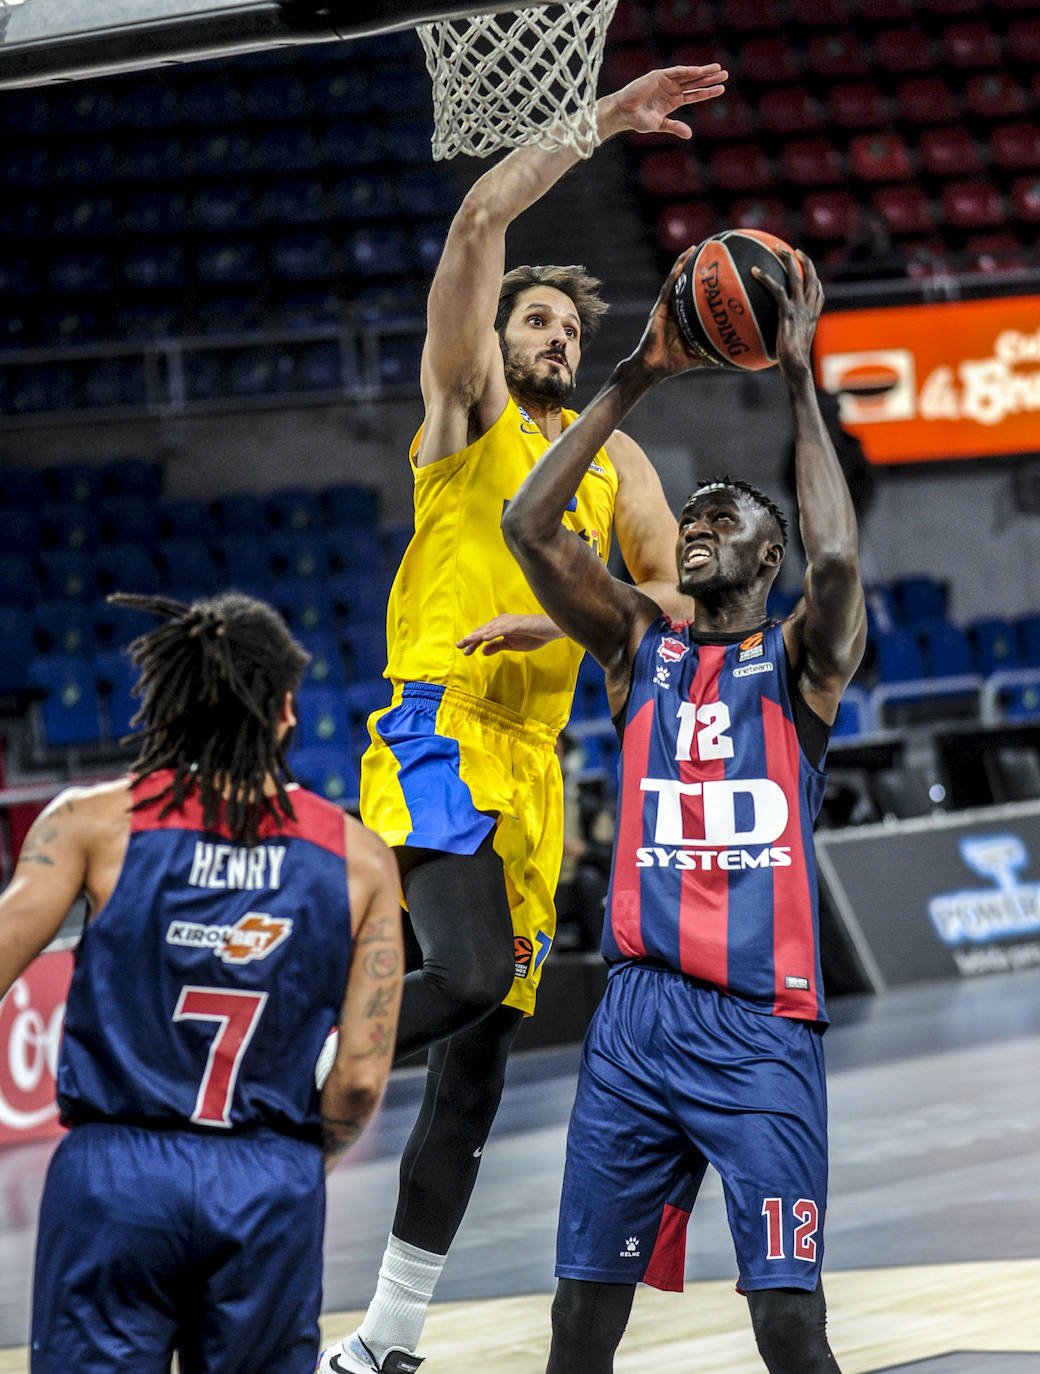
(789,110)
(670,173)
(880,157)
(994,95)
(629,24)
(1016,147)
(679,226)
(812,162)
(926,258)
(857,105)
(819,14)
(885,11)
(751,16)
(761,212)
(906,210)
(948,7)
(926,100)
(973,204)
(902,51)
(829,216)
(740,167)
(625,64)
(948,152)
(684,18)
(724,119)
(1023,41)
(971,47)
(1025,199)
(769,60)
(837,55)
(999,252)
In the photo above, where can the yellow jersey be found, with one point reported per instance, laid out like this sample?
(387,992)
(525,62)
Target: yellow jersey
(457,572)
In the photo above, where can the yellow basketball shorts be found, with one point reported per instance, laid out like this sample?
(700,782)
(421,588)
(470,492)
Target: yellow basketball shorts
(444,768)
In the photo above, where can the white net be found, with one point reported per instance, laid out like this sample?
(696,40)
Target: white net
(515,79)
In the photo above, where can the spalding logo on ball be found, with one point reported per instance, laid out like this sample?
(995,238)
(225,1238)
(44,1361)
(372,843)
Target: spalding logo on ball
(727,318)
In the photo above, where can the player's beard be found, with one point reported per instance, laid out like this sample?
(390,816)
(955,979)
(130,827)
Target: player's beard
(522,379)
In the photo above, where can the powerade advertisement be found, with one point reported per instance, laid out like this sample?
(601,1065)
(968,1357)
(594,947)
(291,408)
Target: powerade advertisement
(939,897)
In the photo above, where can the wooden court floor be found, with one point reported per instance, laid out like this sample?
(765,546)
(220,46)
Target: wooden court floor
(933,1225)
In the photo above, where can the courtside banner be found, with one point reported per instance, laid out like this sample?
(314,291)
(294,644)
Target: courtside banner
(924,383)
(939,897)
(31,1019)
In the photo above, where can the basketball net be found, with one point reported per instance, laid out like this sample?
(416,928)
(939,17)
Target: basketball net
(527,77)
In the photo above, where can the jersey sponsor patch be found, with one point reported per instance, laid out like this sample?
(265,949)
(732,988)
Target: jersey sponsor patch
(749,669)
(802,984)
(752,647)
(597,469)
(523,952)
(253,936)
(671,650)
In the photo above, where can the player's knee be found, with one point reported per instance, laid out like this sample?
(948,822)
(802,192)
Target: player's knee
(479,985)
(791,1330)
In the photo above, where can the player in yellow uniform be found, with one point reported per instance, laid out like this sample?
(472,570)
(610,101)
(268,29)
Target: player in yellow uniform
(462,777)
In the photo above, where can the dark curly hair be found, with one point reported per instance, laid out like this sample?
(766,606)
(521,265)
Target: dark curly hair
(746,489)
(212,682)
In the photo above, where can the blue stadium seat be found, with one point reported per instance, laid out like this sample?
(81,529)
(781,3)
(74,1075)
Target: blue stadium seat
(409,142)
(26,113)
(361,699)
(391,303)
(64,627)
(83,107)
(349,504)
(322,718)
(1023,703)
(19,276)
(303,257)
(148,102)
(187,563)
(293,508)
(24,167)
(289,201)
(42,390)
(359,598)
(19,530)
(1029,640)
(307,307)
(142,321)
(354,548)
(400,91)
(159,265)
(853,716)
(352,143)
(325,668)
(276,96)
(68,525)
(326,367)
(214,103)
(298,553)
(590,692)
(239,512)
(69,713)
(995,644)
(229,262)
(66,482)
(114,383)
(66,328)
(183,518)
(396,537)
(367,648)
(16,635)
(156,212)
(125,568)
(204,377)
(425,191)
(362,196)
(127,520)
(17,581)
(947,652)
(899,656)
(229,314)
(244,563)
(264,370)
(152,160)
(82,273)
(115,676)
(86,216)
(85,164)
(66,574)
(331,772)
(781,603)
(221,154)
(428,244)
(134,477)
(399,358)
(21,219)
(284,150)
(22,487)
(381,252)
(304,602)
(222,207)
(920,600)
(341,92)
(116,626)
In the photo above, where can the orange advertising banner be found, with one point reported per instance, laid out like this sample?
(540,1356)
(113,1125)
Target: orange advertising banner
(923,383)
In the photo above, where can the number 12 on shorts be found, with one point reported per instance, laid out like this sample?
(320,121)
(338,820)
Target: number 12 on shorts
(806,1215)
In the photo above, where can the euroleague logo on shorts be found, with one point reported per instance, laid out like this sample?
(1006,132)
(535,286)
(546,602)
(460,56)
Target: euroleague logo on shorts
(671,650)
(523,952)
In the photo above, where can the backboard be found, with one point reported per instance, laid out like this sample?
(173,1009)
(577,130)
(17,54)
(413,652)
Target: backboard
(61,40)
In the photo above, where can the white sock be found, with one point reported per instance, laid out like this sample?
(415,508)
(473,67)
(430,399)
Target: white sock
(397,1313)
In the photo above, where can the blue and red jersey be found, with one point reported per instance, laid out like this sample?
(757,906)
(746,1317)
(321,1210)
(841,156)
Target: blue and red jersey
(714,869)
(205,987)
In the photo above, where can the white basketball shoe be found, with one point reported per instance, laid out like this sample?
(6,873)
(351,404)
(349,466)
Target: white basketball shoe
(352,1356)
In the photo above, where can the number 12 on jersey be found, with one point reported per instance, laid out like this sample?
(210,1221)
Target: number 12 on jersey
(806,1213)
(237,1015)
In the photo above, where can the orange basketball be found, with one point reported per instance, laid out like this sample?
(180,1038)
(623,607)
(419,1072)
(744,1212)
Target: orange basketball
(727,317)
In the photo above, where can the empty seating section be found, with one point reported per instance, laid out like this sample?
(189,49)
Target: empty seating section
(74,533)
(199,200)
(924,112)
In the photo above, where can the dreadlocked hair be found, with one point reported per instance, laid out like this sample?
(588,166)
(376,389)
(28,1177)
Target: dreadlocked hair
(213,679)
(745,488)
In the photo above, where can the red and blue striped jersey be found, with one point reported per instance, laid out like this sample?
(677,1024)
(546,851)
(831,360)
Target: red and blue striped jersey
(205,987)
(714,868)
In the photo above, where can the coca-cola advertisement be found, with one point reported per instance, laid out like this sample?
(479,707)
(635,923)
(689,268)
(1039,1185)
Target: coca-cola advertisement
(31,1019)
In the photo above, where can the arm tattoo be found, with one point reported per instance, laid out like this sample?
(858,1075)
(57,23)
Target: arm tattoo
(41,835)
(338,1134)
(379,1002)
(379,929)
(381,963)
(381,1041)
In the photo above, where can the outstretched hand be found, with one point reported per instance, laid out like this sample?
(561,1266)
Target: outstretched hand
(662,349)
(645,105)
(519,633)
(800,306)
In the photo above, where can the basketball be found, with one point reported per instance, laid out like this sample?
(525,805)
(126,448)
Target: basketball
(727,317)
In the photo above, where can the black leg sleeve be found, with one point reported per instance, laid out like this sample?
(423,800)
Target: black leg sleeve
(791,1330)
(588,1321)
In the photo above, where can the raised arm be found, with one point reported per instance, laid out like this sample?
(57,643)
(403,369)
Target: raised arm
(604,615)
(368,1021)
(826,635)
(463,381)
